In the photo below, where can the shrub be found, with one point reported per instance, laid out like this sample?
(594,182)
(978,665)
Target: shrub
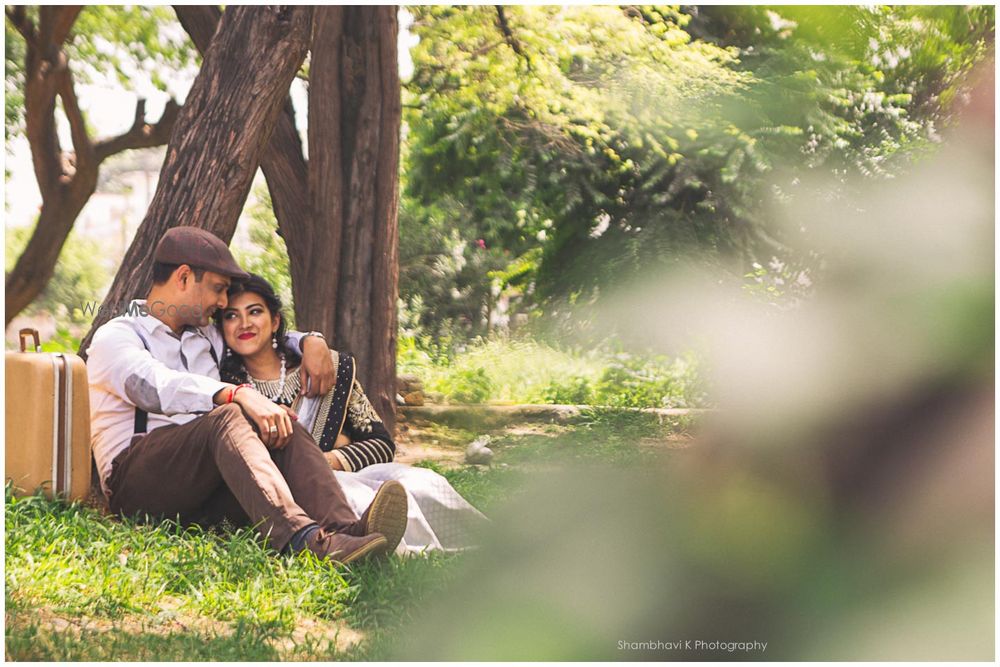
(572,391)
(527,371)
(641,382)
(468,386)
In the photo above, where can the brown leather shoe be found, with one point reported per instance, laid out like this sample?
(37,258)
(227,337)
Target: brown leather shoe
(386,515)
(343,548)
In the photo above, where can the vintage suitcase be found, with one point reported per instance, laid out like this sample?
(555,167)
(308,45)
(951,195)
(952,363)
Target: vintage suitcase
(48,422)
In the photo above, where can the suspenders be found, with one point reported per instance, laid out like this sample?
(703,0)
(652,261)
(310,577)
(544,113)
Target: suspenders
(141,416)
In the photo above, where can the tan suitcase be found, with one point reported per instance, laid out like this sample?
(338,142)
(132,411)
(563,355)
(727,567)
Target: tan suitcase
(48,422)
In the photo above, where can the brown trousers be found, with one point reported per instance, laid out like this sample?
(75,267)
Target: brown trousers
(215,467)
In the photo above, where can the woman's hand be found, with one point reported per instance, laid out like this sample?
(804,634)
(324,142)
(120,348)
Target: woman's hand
(317,374)
(333,460)
(273,422)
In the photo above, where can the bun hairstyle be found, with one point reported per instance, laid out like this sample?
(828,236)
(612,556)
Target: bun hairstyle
(231,368)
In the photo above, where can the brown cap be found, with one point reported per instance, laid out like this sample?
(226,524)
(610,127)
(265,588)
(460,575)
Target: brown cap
(197,248)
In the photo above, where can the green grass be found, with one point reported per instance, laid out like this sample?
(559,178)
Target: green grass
(137,583)
(80,585)
(509,370)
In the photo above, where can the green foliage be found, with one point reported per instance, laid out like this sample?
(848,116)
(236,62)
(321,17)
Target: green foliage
(14,53)
(571,391)
(78,284)
(594,144)
(132,45)
(470,385)
(636,382)
(525,371)
(131,41)
(63,341)
(539,148)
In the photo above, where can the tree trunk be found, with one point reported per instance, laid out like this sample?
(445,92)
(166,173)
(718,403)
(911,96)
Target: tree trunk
(65,181)
(219,137)
(283,162)
(354,120)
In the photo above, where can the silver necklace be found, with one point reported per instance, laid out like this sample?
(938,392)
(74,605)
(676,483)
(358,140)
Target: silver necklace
(281,383)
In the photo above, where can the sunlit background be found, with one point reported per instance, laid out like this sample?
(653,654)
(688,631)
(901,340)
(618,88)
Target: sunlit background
(784,216)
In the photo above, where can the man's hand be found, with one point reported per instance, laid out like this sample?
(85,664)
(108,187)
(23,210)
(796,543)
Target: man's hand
(317,373)
(273,421)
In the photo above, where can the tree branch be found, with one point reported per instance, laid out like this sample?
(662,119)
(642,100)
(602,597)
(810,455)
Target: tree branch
(510,38)
(63,22)
(19,19)
(41,86)
(200,23)
(141,134)
(283,162)
(82,145)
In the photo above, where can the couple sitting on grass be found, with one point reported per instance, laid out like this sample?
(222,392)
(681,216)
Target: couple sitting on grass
(235,420)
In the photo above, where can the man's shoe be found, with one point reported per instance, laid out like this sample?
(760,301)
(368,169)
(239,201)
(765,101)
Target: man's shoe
(343,548)
(386,515)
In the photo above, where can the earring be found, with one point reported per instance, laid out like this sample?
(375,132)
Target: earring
(274,341)
(225,351)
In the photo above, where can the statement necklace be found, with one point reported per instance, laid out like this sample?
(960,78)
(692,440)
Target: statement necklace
(261,385)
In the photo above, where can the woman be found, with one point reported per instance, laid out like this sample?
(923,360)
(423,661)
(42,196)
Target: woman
(343,422)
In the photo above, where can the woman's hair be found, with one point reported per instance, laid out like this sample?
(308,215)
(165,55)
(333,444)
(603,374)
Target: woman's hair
(231,367)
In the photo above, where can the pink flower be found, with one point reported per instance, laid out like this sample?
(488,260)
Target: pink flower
(481,243)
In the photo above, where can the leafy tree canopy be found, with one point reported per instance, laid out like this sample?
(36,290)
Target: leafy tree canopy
(133,45)
(566,146)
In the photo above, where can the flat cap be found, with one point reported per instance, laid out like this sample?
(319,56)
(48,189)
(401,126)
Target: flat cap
(197,248)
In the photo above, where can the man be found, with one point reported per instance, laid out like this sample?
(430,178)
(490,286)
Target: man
(170,439)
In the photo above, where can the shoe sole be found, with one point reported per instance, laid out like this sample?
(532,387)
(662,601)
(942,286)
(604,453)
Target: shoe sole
(388,513)
(373,548)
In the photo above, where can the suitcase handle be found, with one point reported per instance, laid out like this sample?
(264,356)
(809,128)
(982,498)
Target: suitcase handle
(23,333)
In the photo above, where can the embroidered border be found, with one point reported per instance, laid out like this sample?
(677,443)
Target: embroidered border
(338,404)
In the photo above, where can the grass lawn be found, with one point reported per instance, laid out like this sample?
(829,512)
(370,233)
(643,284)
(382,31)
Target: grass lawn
(83,586)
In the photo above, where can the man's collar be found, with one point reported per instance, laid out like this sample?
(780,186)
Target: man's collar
(147,321)
(150,323)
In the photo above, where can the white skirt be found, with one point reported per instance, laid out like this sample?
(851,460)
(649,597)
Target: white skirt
(438,519)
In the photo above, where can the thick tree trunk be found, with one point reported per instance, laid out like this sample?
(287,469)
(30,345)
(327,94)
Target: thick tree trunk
(283,162)
(338,212)
(354,120)
(65,181)
(219,137)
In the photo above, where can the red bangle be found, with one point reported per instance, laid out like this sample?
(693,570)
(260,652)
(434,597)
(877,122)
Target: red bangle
(232,393)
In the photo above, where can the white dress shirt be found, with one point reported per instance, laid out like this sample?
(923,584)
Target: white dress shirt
(174,380)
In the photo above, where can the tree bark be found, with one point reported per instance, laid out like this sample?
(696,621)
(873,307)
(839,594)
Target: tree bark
(65,180)
(283,162)
(354,121)
(338,212)
(219,137)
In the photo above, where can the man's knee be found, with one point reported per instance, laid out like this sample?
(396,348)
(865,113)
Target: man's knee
(228,416)
(226,412)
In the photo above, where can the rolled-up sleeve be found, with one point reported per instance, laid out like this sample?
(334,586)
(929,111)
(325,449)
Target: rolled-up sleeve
(120,364)
(294,340)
